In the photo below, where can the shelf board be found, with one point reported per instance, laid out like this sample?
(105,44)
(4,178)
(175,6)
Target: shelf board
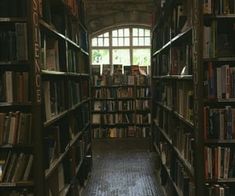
(186,164)
(119,111)
(56,162)
(5,104)
(143,98)
(183,119)
(228,180)
(164,106)
(219,141)
(113,125)
(172,41)
(232,58)
(179,193)
(211,16)
(17,184)
(55,118)
(53,73)
(114,86)
(13,19)
(52,29)
(65,190)
(174,77)
(156,148)
(22,146)
(22,65)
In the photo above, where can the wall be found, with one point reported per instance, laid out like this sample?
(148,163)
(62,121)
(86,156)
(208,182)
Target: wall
(101,14)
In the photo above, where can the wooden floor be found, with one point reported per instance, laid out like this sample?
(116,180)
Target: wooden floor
(123,168)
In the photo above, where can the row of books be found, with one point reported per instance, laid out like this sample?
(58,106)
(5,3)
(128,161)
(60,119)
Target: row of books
(119,69)
(124,105)
(180,177)
(15,128)
(219,190)
(219,162)
(218,39)
(120,92)
(15,167)
(176,170)
(129,131)
(219,7)
(181,60)
(121,79)
(181,101)
(219,123)
(184,142)
(14,87)
(220,81)
(14,43)
(121,118)
(54,98)
(143,92)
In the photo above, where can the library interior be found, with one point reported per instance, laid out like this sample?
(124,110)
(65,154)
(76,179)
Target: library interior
(117,97)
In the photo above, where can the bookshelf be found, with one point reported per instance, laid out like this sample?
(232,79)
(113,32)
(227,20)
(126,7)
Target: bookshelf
(173,97)
(121,104)
(45,140)
(65,81)
(193,98)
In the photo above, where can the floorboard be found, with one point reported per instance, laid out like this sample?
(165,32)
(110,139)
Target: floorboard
(123,168)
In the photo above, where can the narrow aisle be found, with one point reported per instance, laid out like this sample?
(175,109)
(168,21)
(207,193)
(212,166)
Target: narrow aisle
(120,169)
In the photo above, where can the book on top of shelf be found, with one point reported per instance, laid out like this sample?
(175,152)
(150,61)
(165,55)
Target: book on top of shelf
(117,69)
(143,70)
(95,70)
(106,69)
(127,70)
(135,70)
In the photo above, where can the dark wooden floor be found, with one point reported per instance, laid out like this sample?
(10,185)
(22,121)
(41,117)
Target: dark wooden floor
(123,168)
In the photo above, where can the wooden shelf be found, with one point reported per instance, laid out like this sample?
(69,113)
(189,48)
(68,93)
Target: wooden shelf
(13,19)
(172,41)
(17,184)
(174,77)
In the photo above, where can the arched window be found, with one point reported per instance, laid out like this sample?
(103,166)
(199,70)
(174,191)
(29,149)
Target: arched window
(124,45)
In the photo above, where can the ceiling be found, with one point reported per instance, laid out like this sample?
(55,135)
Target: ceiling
(101,14)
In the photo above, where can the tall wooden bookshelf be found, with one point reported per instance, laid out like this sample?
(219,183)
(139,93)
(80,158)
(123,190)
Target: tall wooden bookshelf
(45,146)
(121,106)
(193,96)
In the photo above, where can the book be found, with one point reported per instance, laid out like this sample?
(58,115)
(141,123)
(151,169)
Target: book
(28,168)
(21,41)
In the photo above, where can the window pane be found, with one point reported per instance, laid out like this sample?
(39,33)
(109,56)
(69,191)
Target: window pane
(106,35)
(106,41)
(127,42)
(120,32)
(114,33)
(120,41)
(100,56)
(100,41)
(147,32)
(141,32)
(121,56)
(135,32)
(141,57)
(141,41)
(94,42)
(147,41)
(126,32)
(135,41)
(115,43)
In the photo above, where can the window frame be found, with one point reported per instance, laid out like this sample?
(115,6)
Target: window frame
(111,47)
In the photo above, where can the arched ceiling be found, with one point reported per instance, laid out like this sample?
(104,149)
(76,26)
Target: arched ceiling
(101,14)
